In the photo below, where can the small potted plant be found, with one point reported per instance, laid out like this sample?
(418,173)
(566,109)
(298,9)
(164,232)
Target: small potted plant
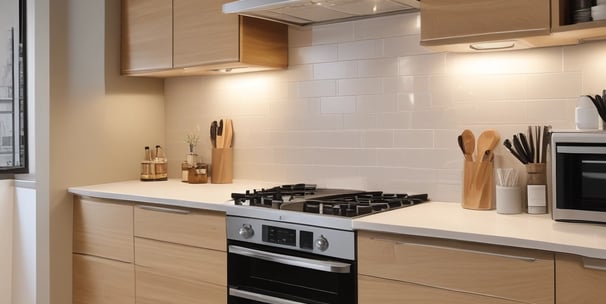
(192,140)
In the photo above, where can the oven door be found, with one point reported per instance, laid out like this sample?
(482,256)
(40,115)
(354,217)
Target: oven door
(264,274)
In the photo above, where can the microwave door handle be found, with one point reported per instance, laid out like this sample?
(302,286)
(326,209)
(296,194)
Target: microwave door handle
(581,149)
(253,296)
(327,266)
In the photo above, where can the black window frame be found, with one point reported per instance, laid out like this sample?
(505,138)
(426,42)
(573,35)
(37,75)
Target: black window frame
(7,172)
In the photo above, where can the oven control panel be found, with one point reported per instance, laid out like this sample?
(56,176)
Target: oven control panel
(317,240)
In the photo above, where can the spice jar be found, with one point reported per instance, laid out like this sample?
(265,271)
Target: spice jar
(198,174)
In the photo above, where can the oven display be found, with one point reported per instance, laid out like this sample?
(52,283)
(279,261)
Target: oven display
(281,236)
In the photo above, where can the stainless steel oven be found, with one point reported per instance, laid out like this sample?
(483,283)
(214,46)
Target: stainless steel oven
(295,244)
(579,176)
(286,263)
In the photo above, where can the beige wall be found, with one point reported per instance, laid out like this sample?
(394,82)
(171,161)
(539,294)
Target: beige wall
(363,105)
(99,121)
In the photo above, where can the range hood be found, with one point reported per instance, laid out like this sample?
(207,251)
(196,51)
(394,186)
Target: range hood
(307,12)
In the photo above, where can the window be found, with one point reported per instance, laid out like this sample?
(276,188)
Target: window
(13,139)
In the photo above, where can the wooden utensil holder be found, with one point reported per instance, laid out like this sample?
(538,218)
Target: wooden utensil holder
(221,170)
(478,185)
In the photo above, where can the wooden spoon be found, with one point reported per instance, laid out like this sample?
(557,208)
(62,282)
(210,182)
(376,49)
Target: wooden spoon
(469,144)
(487,142)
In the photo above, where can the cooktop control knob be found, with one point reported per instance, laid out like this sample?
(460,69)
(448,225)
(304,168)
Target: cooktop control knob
(246,231)
(322,243)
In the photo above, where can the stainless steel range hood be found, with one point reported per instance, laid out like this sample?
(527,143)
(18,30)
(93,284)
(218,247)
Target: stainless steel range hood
(307,12)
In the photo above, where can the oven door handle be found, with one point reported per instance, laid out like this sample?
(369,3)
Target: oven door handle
(327,266)
(259,297)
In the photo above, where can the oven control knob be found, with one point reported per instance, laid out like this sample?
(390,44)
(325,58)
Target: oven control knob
(322,243)
(246,231)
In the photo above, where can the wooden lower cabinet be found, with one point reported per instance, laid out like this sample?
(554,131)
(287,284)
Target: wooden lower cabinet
(157,287)
(373,290)
(102,281)
(580,280)
(512,274)
(190,263)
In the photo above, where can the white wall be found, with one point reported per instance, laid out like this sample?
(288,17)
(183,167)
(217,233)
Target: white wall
(363,105)
(24,245)
(99,121)
(7,199)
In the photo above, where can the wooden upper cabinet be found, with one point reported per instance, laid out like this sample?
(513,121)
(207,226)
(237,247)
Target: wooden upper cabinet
(203,34)
(445,22)
(190,37)
(147,35)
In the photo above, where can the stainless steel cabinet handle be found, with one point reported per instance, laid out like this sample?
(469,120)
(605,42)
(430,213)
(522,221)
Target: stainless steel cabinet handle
(163,209)
(326,266)
(259,297)
(516,257)
(597,264)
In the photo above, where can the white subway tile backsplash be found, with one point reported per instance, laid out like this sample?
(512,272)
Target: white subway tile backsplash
(362,105)
(378,67)
(313,54)
(332,33)
(360,86)
(336,70)
(317,88)
(422,64)
(378,139)
(341,104)
(420,139)
(376,103)
(365,49)
(389,26)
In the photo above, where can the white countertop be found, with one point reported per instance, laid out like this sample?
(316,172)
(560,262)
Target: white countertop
(172,192)
(432,219)
(450,220)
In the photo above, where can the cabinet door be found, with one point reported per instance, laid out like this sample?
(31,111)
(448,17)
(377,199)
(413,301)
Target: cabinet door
(374,290)
(191,263)
(102,281)
(156,287)
(103,228)
(460,21)
(510,273)
(203,34)
(205,229)
(147,39)
(580,280)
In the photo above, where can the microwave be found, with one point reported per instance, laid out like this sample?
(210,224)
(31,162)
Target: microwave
(578,176)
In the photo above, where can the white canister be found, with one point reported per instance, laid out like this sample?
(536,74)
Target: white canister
(586,116)
(509,199)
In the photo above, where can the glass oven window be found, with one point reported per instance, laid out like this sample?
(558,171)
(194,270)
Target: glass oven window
(294,283)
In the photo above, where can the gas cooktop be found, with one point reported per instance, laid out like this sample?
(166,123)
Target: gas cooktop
(309,199)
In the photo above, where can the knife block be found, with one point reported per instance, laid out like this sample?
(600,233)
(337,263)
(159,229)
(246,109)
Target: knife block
(221,168)
(478,185)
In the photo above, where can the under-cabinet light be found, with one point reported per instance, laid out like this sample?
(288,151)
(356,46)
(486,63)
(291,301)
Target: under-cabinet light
(498,45)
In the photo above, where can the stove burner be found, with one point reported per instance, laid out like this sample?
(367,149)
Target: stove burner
(303,198)
(351,205)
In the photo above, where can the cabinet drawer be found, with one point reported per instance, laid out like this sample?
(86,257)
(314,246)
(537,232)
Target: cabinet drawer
(199,228)
(506,272)
(155,287)
(103,228)
(374,290)
(102,281)
(191,263)
(580,280)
